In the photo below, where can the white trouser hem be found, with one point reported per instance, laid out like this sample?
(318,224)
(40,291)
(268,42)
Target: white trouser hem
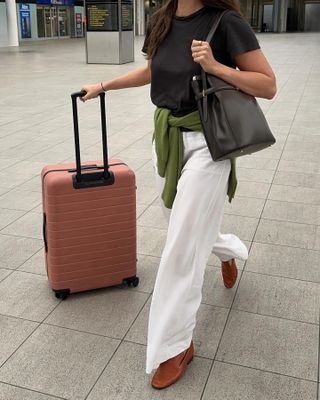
(167,352)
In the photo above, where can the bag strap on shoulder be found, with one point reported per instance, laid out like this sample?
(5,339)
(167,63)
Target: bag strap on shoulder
(217,20)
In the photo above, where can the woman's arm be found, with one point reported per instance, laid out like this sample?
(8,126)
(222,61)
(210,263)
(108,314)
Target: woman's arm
(255,75)
(138,77)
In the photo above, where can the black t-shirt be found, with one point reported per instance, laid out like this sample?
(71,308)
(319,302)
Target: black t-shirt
(172,66)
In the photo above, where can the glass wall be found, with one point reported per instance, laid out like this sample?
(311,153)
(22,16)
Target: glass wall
(53,21)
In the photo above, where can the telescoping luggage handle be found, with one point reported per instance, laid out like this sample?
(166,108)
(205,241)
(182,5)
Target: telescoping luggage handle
(98,178)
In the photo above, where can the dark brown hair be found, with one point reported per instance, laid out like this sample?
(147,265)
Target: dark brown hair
(160,21)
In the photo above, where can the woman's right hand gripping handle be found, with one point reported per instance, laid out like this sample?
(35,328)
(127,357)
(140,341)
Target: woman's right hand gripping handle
(138,77)
(92,91)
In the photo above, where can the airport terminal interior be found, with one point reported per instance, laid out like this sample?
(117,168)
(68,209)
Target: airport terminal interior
(60,19)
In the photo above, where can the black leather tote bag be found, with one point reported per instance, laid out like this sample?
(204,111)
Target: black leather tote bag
(233,122)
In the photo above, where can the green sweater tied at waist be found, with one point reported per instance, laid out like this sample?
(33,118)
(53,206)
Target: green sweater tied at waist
(169,149)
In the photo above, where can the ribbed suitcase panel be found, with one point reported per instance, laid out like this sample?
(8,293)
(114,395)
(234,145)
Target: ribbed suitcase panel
(102,253)
(91,233)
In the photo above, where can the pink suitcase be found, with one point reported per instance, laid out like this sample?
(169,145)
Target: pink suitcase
(89,220)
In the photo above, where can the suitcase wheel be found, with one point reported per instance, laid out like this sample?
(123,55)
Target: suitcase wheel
(133,281)
(62,294)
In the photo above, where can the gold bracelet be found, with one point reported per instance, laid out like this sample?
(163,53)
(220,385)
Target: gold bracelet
(102,87)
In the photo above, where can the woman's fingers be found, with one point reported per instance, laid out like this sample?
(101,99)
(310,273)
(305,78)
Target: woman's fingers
(84,89)
(91,92)
(199,45)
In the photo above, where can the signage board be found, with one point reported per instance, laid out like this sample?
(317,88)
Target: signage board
(102,16)
(127,16)
(25,22)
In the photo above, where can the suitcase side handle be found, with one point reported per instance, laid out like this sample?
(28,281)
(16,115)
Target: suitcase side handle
(92,179)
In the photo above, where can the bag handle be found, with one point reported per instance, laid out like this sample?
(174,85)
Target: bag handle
(91,179)
(210,35)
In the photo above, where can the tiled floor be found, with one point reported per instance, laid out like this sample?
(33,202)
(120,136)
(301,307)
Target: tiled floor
(258,341)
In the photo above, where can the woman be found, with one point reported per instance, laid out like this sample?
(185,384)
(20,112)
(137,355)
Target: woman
(193,187)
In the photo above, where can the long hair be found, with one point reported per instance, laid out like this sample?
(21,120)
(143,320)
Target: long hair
(160,22)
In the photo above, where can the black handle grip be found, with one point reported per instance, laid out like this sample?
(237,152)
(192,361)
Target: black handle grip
(79,178)
(78,94)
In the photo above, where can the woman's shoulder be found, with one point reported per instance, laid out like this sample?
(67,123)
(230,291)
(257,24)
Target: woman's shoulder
(233,17)
(230,17)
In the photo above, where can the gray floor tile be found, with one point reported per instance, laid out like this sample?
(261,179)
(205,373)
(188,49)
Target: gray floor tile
(307,147)
(284,261)
(317,239)
(30,168)
(108,312)
(292,212)
(135,152)
(299,154)
(20,200)
(295,194)
(29,225)
(27,296)
(256,190)
(59,362)
(297,179)
(213,290)
(232,382)
(245,207)
(9,392)
(139,329)
(16,250)
(153,217)
(146,194)
(147,269)
(257,163)
(141,208)
(244,227)
(4,273)
(279,297)
(254,175)
(3,191)
(271,344)
(145,178)
(33,184)
(125,378)
(301,166)
(286,233)
(13,333)
(9,216)
(207,333)
(7,162)
(35,264)
(38,209)
(151,241)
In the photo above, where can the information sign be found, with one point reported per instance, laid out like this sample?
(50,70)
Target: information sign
(25,20)
(102,16)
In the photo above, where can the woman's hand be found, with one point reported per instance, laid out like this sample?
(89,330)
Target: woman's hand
(92,91)
(202,54)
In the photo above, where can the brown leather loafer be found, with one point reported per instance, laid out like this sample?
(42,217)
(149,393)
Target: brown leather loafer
(229,273)
(171,371)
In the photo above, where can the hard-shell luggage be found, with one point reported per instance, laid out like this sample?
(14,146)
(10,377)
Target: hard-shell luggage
(89,220)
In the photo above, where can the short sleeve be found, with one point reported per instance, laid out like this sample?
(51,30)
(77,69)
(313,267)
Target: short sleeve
(146,40)
(238,34)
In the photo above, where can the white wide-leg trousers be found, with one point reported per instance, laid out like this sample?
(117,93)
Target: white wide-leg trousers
(193,233)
